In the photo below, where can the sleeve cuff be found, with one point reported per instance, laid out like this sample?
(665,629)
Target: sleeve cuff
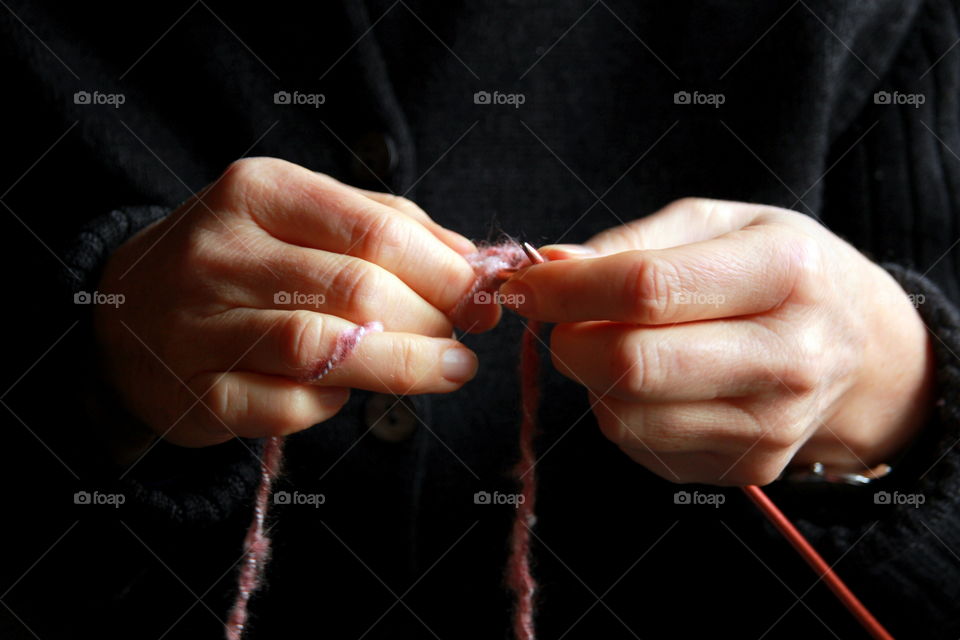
(168,485)
(897,540)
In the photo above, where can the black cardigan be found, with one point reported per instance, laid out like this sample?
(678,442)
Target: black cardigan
(400,548)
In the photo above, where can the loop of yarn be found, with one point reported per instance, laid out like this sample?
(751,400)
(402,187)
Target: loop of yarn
(489,263)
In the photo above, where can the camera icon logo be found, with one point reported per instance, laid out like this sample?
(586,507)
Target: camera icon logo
(481,97)
(882,97)
(281,97)
(482,297)
(282,297)
(481,497)
(281,497)
(881,497)
(81,497)
(681,497)
(81,97)
(82,297)
(681,97)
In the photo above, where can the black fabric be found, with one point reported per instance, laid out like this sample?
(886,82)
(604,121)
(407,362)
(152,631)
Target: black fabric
(615,556)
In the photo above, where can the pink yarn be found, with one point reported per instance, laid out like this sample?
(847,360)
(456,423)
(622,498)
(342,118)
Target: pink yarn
(519,576)
(346,343)
(490,265)
(256,544)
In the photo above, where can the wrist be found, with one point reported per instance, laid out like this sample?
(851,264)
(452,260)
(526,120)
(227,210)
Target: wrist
(892,396)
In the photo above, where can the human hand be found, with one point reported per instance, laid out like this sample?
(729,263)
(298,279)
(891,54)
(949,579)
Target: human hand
(235,297)
(720,341)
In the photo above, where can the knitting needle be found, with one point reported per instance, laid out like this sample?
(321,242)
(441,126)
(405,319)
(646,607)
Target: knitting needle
(793,536)
(534,256)
(823,570)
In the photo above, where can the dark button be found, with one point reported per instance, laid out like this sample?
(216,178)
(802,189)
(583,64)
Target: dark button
(374,159)
(390,419)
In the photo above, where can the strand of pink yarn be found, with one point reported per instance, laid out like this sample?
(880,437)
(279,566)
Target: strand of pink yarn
(491,264)
(519,575)
(256,543)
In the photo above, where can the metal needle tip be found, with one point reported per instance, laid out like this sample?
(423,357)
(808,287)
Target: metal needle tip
(533,254)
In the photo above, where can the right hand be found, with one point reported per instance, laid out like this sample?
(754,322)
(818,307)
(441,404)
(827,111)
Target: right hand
(207,347)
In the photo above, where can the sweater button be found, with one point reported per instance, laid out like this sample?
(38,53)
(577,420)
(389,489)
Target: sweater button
(373,160)
(389,418)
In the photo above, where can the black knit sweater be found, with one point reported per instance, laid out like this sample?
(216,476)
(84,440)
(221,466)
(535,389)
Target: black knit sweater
(400,548)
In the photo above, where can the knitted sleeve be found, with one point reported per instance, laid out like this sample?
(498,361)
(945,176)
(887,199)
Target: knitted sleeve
(905,528)
(168,484)
(894,183)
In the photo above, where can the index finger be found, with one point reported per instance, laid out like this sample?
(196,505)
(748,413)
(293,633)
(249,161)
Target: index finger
(750,270)
(300,207)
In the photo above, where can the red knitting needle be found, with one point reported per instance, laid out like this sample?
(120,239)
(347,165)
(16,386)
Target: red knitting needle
(793,536)
(817,563)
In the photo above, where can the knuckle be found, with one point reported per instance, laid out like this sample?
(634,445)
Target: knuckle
(712,213)
(200,256)
(378,235)
(403,204)
(799,364)
(359,287)
(300,336)
(637,367)
(406,373)
(703,210)
(239,174)
(687,203)
(243,181)
(781,433)
(803,257)
(226,401)
(747,427)
(650,289)
(294,413)
(804,373)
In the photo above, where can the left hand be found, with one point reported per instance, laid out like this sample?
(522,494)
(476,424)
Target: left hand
(721,341)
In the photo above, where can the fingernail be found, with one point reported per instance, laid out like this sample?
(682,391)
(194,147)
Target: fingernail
(571,250)
(458,364)
(516,295)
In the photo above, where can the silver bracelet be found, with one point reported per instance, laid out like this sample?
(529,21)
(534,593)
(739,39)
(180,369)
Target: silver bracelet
(816,472)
